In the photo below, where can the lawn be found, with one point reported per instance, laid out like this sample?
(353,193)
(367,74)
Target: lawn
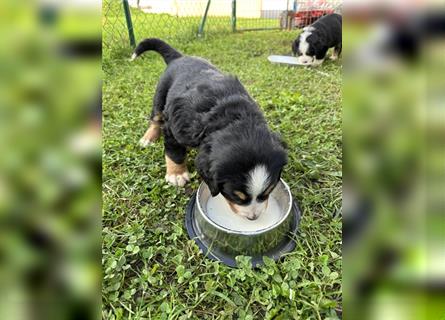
(151,269)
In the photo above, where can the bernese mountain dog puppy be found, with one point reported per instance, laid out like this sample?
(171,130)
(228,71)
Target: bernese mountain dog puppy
(198,106)
(314,42)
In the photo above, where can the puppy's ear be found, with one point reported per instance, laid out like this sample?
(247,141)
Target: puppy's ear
(203,164)
(320,49)
(213,187)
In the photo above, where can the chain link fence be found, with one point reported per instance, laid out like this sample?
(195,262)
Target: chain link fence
(184,20)
(174,21)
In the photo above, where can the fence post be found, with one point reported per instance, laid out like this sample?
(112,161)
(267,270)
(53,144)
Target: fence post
(287,15)
(233,15)
(129,23)
(203,20)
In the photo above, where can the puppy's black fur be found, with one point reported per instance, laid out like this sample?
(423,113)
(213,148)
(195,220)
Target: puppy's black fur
(206,109)
(326,33)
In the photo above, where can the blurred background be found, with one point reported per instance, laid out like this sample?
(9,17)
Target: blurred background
(50,163)
(394,164)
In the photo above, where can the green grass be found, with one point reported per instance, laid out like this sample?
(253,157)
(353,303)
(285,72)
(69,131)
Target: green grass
(151,268)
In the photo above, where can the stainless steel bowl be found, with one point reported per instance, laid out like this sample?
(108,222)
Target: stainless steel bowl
(224,244)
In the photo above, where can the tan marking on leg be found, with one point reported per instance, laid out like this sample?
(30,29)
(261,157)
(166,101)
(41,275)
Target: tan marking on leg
(151,135)
(334,55)
(153,132)
(158,118)
(177,174)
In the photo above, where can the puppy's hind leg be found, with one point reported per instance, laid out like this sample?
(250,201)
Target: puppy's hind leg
(156,120)
(175,160)
(336,53)
(153,132)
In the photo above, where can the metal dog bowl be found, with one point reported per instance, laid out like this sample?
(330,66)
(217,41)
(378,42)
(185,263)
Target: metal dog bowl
(222,244)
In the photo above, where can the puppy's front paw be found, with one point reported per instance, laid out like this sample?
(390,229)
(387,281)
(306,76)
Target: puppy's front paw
(179,179)
(333,57)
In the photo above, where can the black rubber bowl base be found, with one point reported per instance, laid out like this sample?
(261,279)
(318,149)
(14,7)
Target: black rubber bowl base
(229,260)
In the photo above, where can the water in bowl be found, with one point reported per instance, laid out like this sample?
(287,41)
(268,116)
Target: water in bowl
(218,211)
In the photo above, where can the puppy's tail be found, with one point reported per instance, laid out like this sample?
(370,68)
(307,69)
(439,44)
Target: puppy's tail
(165,50)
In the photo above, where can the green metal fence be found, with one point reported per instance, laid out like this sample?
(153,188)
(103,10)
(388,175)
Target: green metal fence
(125,22)
(122,20)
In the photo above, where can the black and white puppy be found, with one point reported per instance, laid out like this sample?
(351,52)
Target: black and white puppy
(197,106)
(313,43)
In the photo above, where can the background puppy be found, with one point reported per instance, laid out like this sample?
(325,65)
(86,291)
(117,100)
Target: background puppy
(195,105)
(313,43)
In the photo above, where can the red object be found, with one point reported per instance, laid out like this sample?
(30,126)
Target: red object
(304,18)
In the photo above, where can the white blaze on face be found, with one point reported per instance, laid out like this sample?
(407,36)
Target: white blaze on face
(258,179)
(304,46)
(257,182)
